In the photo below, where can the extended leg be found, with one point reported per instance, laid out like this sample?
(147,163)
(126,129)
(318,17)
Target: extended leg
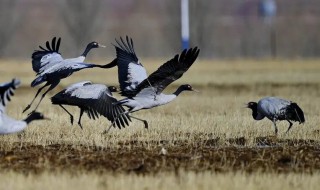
(290,125)
(275,127)
(112,124)
(28,106)
(44,94)
(127,112)
(53,85)
(144,121)
(79,122)
(71,116)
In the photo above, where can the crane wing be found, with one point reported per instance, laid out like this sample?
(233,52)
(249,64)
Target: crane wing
(43,57)
(130,70)
(65,68)
(77,85)
(271,106)
(106,106)
(6,91)
(170,71)
(95,99)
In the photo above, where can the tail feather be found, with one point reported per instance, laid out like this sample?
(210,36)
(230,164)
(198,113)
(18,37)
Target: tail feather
(40,79)
(298,114)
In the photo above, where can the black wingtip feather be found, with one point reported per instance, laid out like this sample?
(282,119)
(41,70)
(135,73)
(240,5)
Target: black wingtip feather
(54,47)
(182,55)
(38,54)
(48,46)
(53,43)
(58,45)
(41,48)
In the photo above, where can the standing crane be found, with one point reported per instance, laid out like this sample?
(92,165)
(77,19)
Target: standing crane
(94,99)
(7,124)
(276,109)
(51,67)
(145,92)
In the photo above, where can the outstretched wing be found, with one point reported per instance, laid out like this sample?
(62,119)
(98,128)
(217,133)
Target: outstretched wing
(6,91)
(170,71)
(130,71)
(106,106)
(96,99)
(43,57)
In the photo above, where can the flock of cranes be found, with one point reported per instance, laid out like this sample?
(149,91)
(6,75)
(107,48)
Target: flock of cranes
(140,91)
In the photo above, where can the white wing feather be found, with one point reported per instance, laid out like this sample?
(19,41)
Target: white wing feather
(136,74)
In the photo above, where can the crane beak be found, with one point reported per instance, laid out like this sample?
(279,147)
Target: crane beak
(245,105)
(195,90)
(46,118)
(101,46)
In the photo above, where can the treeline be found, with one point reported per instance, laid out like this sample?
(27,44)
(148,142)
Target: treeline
(222,29)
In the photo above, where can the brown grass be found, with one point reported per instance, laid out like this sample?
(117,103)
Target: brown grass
(208,131)
(181,180)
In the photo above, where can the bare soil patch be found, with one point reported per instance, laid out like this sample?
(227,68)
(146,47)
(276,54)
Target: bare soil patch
(270,155)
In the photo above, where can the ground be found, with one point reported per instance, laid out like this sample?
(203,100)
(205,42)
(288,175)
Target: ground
(199,141)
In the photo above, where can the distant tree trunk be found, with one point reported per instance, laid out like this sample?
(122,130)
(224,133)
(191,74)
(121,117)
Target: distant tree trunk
(8,22)
(81,18)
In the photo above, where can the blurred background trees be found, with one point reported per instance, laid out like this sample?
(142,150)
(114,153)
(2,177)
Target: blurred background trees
(9,19)
(82,19)
(222,29)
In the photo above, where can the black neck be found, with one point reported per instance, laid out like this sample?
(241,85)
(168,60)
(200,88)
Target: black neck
(178,91)
(109,65)
(86,51)
(29,119)
(254,111)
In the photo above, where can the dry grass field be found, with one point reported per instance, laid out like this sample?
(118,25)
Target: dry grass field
(210,139)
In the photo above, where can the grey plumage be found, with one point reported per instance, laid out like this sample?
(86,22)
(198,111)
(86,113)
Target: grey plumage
(50,67)
(277,109)
(93,99)
(143,91)
(7,124)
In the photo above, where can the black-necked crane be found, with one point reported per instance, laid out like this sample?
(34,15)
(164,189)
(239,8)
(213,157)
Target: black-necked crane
(93,99)
(143,91)
(7,124)
(51,67)
(277,109)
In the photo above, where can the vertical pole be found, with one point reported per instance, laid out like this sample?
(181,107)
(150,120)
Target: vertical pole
(185,23)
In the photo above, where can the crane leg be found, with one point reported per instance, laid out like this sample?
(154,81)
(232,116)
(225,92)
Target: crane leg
(290,125)
(112,124)
(38,92)
(144,121)
(275,127)
(79,122)
(71,116)
(53,85)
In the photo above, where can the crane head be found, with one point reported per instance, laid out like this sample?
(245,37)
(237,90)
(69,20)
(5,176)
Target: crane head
(35,116)
(113,89)
(251,105)
(188,87)
(95,45)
